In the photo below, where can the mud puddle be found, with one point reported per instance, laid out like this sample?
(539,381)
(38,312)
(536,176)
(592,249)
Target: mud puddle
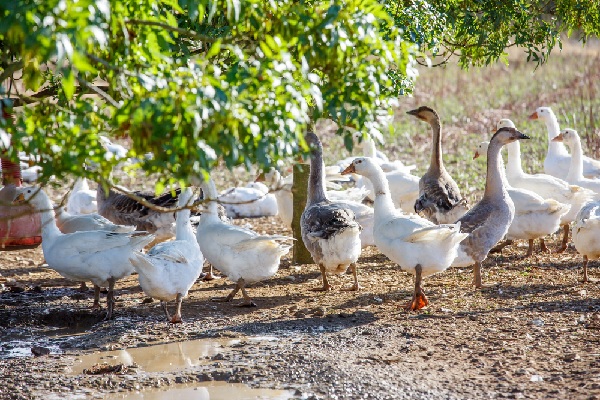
(169,357)
(13,346)
(205,391)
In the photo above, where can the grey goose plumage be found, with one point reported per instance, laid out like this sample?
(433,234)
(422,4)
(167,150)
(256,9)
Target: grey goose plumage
(439,199)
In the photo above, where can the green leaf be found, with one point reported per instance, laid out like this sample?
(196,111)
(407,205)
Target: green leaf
(68,83)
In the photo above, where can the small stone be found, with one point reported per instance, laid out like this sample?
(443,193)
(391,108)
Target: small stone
(571,357)
(40,351)
(378,300)
(536,378)
(148,300)
(289,278)
(319,312)
(537,322)
(17,289)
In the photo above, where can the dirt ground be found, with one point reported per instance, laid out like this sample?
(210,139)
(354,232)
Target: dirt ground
(535,334)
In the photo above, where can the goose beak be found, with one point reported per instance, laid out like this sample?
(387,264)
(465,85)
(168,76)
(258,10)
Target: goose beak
(349,170)
(413,112)
(260,177)
(476,155)
(534,116)
(20,198)
(558,138)
(522,136)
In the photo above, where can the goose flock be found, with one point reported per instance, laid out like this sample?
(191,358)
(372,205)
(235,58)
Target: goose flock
(423,224)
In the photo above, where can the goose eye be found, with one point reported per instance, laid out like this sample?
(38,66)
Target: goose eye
(359,161)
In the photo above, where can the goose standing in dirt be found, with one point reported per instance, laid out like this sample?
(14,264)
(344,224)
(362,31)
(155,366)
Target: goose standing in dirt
(439,199)
(585,234)
(488,221)
(329,230)
(242,254)
(98,256)
(170,269)
(414,243)
(547,186)
(535,217)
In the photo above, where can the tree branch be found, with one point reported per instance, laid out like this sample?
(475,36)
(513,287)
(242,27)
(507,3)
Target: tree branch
(182,32)
(10,69)
(53,91)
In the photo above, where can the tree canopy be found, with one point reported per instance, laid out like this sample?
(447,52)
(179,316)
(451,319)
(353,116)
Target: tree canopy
(193,82)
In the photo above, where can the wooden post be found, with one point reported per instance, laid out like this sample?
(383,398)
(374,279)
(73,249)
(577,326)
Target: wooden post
(299,191)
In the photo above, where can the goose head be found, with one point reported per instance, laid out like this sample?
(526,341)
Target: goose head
(541,113)
(424,113)
(33,196)
(362,166)
(505,123)
(566,135)
(481,149)
(507,135)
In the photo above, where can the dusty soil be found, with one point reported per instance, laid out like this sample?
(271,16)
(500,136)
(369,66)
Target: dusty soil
(534,334)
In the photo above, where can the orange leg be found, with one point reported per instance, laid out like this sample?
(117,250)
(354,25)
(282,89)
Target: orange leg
(419,299)
(477,275)
(96,305)
(530,249)
(543,246)
(356,286)
(585,274)
(565,239)
(177,317)
(326,286)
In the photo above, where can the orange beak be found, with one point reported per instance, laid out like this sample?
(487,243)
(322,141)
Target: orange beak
(534,115)
(19,199)
(349,170)
(260,177)
(558,138)
(476,155)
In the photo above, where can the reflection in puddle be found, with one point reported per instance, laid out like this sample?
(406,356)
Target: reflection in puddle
(164,357)
(22,348)
(205,391)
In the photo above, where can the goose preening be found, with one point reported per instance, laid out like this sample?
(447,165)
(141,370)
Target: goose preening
(488,221)
(82,200)
(576,176)
(243,255)
(439,199)
(557,158)
(251,201)
(98,256)
(547,186)
(585,234)
(169,269)
(329,229)
(535,218)
(414,243)
(351,197)
(123,210)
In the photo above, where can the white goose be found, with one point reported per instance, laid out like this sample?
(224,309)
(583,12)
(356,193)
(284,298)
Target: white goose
(576,177)
(488,221)
(414,243)
(557,158)
(330,231)
(585,234)
(251,201)
(170,269)
(534,217)
(242,254)
(82,200)
(547,186)
(98,256)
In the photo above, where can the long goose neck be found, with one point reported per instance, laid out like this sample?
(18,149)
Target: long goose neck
(495,184)
(436,153)
(514,167)
(383,203)
(553,131)
(576,167)
(47,218)
(210,193)
(316,180)
(183,226)
(369,149)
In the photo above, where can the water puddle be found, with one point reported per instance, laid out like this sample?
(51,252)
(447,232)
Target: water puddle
(13,346)
(167,357)
(205,391)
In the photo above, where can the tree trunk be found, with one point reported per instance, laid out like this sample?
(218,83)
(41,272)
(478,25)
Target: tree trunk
(299,191)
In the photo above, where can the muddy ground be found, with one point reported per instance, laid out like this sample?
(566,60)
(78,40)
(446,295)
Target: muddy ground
(535,334)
